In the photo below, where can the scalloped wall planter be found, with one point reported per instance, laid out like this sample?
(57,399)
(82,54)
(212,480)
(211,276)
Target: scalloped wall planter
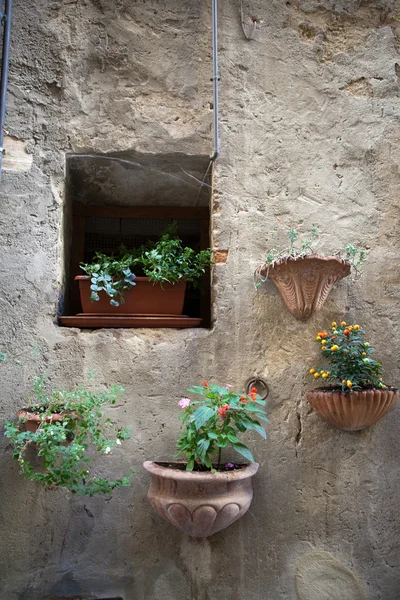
(33,420)
(305,283)
(354,411)
(200,503)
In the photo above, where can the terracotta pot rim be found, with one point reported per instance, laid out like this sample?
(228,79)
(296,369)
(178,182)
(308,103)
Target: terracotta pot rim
(170,473)
(138,279)
(320,257)
(353,392)
(35,416)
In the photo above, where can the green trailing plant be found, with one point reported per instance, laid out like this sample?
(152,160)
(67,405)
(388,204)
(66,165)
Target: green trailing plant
(215,422)
(57,453)
(164,261)
(350,362)
(110,274)
(298,247)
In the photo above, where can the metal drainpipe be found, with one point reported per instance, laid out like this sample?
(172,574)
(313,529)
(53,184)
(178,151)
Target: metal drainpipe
(215,77)
(5,20)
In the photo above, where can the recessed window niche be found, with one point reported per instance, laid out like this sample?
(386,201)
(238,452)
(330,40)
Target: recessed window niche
(129,199)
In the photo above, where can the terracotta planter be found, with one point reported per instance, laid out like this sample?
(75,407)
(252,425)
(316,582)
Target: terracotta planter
(143,299)
(33,420)
(354,411)
(200,503)
(304,283)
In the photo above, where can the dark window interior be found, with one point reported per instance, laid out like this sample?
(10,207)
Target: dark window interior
(95,220)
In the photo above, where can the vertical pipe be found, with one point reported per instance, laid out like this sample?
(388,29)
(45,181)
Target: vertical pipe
(6,22)
(215,76)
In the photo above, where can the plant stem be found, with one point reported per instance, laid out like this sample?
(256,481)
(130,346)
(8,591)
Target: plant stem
(219,458)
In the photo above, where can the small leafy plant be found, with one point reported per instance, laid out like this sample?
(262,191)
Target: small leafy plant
(112,275)
(163,261)
(63,445)
(299,248)
(215,422)
(350,362)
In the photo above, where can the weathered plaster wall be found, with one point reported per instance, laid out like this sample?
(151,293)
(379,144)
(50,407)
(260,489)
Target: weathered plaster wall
(310,117)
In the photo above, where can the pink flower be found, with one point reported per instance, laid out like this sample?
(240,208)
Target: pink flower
(229,386)
(184,402)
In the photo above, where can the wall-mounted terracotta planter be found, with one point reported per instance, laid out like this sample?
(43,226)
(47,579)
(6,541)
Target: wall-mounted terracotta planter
(200,503)
(304,283)
(33,420)
(355,410)
(143,299)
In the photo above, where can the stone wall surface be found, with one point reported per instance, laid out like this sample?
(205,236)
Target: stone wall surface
(310,116)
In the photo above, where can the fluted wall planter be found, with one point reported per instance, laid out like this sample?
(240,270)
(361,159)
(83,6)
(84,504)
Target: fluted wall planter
(304,283)
(200,503)
(355,410)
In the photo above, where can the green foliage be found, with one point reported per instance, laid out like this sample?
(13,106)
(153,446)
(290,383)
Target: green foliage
(63,445)
(350,362)
(110,274)
(216,421)
(163,261)
(169,261)
(353,255)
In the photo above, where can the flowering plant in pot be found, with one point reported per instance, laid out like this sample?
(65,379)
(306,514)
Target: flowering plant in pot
(304,278)
(110,284)
(205,495)
(358,397)
(53,436)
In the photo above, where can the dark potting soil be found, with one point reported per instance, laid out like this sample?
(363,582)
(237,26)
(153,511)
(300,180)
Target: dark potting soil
(201,468)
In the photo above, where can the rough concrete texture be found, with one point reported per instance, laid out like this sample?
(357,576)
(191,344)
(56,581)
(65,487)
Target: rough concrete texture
(310,117)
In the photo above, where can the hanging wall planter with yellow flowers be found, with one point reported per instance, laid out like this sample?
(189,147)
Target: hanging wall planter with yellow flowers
(358,397)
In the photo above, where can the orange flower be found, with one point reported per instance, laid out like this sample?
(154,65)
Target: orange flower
(253,390)
(221,412)
(225,406)
(243,399)
(346,331)
(323,334)
(205,384)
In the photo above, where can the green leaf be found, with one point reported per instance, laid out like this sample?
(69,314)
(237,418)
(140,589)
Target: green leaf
(232,438)
(260,430)
(244,451)
(202,415)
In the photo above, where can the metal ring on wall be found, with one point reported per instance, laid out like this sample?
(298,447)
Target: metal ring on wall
(260,384)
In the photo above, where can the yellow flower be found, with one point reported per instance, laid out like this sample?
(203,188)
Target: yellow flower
(312,371)
(316,375)
(328,372)
(343,381)
(350,328)
(334,348)
(343,323)
(323,342)
(364,354)
(325,375)
(334,324)
(318,338)
(349,384)
(356,327)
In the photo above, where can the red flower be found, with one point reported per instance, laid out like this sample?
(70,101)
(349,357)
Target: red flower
(225,406)
(205,384)
(346,332)
(253,390)
(253,396)
(243,399)
(221,412)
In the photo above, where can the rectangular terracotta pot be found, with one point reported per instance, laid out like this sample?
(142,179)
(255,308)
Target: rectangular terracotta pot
(145,298)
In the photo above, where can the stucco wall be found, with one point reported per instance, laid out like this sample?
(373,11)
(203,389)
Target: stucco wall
(310,117)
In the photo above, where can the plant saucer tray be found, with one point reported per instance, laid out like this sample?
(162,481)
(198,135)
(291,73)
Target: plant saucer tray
(97,321)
